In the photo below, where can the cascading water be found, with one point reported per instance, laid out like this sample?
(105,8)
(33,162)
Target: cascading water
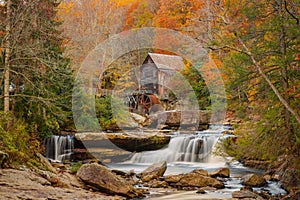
(187,152)
(182,147)
(59,147)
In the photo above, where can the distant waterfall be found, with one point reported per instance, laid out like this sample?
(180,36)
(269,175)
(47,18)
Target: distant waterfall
(59,147)
(187,148)
(183,148)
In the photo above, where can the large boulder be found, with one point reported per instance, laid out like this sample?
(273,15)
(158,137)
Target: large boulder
(101,178)
(223,173)
(253,180)
(246,194)
(154,171)
(196,180)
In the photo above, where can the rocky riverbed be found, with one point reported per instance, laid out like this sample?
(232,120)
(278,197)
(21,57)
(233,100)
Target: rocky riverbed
(95,181)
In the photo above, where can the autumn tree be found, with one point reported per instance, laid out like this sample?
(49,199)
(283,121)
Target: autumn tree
(176,14)
(87,23)
(138,15)
(258,41)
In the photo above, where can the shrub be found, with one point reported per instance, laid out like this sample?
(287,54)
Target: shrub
(20,145)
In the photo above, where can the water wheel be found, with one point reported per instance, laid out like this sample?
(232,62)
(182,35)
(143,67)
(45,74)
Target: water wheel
(145,101)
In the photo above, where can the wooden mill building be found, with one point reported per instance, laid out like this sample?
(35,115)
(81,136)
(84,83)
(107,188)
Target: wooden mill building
(157,70)
(154,74)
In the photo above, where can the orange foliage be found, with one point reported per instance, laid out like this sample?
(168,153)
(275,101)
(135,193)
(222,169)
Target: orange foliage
(211,73)
(138,15)
(124,3)
(175,14)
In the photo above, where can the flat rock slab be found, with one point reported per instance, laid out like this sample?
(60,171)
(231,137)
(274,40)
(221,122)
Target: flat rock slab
(133,142)
(25,184)
(193,179)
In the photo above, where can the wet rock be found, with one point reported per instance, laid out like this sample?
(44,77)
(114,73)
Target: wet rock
(3,158)
(157,184)
(223,173)
(247,188)
(253,180)
(196,180)
(200,191)
(154,171)
(201,172)
(173,178)
(102,179)
(246,194)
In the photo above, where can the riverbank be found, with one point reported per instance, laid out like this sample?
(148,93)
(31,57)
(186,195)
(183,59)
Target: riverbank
(25,183)
(274,155)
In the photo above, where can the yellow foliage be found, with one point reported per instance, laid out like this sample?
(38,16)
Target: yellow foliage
(120,3)
(64,9)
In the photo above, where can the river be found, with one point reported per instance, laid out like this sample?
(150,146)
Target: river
(184,154)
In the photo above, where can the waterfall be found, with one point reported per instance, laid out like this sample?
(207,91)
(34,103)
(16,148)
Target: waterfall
(59,147)
(188,148)
(183,148)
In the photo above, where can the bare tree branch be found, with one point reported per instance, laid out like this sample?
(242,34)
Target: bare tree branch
(292,15)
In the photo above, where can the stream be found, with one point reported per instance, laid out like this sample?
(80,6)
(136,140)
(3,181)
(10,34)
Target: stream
(184,153)
(197,151)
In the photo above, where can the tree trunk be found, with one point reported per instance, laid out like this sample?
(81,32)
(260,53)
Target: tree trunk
(7,57)
(266,78)
(284,72)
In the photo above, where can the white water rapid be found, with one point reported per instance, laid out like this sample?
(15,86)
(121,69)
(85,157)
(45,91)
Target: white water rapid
(184,148)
